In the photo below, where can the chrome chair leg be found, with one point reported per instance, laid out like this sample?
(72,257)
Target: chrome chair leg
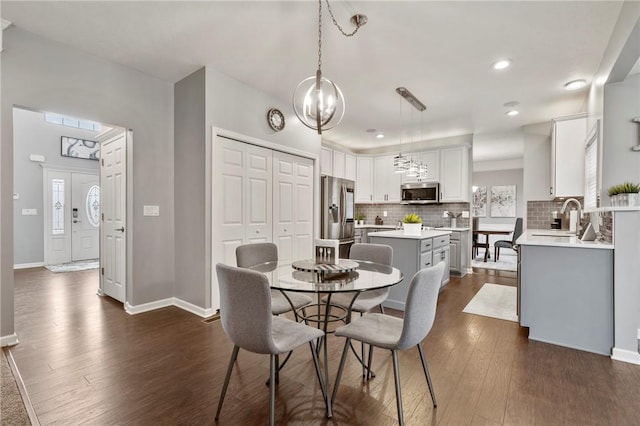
(396,376)
(234,356)
(340,368)
(426,374)
(272,389)
(323,387)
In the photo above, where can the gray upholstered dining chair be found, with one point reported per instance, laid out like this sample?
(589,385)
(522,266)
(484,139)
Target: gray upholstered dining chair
(394,334)
(245,312)
(366,301)
(517,231)
(248,255)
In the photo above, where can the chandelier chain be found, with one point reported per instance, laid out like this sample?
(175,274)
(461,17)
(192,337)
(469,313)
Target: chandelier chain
(351,34)
(320,34)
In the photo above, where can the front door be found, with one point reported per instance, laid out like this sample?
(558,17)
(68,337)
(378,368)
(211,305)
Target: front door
(85,216)
(113,175)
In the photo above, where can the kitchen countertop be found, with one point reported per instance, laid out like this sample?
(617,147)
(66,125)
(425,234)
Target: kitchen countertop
(558,238)
(446,228)
(400,234)
(370,225)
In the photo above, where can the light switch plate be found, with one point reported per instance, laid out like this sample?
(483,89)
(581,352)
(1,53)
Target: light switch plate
(465,214)
(384,213)
(29,212)
(151,211)
(16,196)
(37,158)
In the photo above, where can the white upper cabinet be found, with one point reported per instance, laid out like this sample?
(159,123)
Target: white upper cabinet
(454,175)
(338,164)
(567,157)
(326,161)
(350,167)
(386,182)
(364,180)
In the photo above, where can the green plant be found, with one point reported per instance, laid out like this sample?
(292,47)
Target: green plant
(624,188)
(359,216)
(412,218)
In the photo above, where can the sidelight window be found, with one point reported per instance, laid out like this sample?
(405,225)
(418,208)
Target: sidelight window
(57,201)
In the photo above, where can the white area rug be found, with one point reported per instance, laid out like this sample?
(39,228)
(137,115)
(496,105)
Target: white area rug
(81,265)
(495,301)
(507,261)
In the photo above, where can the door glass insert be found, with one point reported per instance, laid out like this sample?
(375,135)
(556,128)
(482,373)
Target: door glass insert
(57,201)
(93,206)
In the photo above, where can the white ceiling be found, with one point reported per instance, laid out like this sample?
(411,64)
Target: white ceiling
(441,51)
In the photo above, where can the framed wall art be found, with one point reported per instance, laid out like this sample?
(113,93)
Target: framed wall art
(503,201)
(79,148)
(480,202)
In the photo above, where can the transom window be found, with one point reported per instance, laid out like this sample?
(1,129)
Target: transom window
(76,123)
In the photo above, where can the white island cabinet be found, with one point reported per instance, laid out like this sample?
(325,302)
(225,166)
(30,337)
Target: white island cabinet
(565,290)
(412,253)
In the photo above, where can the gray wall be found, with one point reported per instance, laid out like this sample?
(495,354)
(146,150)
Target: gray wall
(619,163)
(32,135)
(47,76)
(189,191)
(501,177)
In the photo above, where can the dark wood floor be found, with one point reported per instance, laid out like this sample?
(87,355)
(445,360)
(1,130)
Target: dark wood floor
(85,361)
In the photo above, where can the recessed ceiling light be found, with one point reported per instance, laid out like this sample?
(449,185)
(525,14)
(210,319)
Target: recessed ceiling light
(502,64)
(575,84)
(379,136)
(512,113)
(511,104)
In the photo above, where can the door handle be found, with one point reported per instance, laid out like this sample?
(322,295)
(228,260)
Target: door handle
(119,229)
(76,221)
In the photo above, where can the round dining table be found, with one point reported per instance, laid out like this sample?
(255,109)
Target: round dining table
(343,277)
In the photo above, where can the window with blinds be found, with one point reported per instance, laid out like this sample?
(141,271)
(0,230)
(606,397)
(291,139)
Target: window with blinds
(591,169)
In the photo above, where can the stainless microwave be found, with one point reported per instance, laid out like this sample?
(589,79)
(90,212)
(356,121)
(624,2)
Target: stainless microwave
(420,193)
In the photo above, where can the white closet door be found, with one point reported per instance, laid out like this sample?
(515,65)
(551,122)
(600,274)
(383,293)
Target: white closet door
(303,209)
(242,197)
(284,185)
(292,207)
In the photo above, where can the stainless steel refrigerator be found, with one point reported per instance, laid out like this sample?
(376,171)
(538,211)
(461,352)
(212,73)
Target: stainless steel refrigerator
(337,204)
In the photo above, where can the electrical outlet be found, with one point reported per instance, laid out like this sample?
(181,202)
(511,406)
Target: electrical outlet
(465,214)
(445,213)
(384,213)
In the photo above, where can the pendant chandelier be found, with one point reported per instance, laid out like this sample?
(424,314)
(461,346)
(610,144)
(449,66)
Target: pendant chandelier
(401,163)
(317,101)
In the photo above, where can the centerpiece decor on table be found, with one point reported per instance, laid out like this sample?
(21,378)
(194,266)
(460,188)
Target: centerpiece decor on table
(412,224)
(625,195)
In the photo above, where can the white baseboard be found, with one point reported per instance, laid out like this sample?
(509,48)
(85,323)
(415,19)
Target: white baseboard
(625,356)
(28,265)
(146,307)
(190,307)
(171,301)
(9,340)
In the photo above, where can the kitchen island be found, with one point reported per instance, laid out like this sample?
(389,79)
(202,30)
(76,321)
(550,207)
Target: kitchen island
(412,253)
(565,290)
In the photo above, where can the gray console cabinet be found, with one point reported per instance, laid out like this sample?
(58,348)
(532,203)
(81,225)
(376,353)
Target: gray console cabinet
(566,296)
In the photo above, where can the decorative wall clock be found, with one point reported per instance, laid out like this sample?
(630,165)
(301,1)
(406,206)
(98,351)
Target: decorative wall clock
(275,118)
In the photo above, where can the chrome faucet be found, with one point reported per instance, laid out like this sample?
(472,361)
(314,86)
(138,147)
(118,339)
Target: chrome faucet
(564,208)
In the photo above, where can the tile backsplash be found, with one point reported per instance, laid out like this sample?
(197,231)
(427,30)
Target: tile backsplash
(431,214)
(539,214)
